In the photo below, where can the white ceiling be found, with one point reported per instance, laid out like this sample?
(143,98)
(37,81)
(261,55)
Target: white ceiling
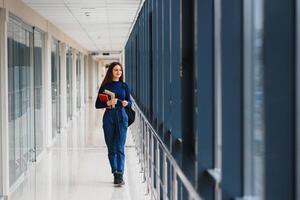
(98,25)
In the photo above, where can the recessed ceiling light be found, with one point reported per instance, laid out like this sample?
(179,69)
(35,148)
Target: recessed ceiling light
(87,8)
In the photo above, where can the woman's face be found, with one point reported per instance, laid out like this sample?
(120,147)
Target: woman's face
(117,72)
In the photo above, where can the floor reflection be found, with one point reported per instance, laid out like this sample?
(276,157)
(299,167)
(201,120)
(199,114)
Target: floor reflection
(76,167)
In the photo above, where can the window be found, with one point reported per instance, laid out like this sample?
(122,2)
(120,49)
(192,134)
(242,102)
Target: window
(20,97)
(78,78)
(38,89)
(55,85)
(69,82)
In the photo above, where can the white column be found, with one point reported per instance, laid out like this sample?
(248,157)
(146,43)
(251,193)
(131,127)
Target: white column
(82,80)
(48,91)
(103,71)
(74,89)
(86,79)
(4,149)
(99,66)
(96,71)
(63,84)
(123,63)
(91,77)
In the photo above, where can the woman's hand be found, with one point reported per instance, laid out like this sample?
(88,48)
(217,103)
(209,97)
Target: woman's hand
(112,102)
(124,103)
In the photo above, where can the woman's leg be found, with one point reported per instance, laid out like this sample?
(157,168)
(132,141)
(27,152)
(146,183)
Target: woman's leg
(123,125)
(110,137)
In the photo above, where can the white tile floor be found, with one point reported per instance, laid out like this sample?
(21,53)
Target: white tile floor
(77,168)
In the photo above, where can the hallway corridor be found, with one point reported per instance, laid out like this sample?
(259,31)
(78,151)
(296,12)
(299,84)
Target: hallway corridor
(77,168)
(214,88)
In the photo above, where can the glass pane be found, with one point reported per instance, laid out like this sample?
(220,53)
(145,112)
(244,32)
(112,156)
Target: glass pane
(20,95)
(38,90)
(78,63)
(11,99)
(58,87)
(55,87)
(69,83)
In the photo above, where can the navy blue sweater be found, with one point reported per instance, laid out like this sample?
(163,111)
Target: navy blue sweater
(121,91)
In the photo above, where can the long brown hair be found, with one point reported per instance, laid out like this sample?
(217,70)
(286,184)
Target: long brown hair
(109,74)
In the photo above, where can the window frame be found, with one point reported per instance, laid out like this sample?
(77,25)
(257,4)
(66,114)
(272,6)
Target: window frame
(250,65)
(298,98)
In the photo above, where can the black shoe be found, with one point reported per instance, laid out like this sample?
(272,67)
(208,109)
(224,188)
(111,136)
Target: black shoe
(116,178)
(121,181)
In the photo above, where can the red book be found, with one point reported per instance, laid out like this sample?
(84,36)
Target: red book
(103,98)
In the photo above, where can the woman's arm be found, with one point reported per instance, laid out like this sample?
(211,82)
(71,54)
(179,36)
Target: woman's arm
(100,104)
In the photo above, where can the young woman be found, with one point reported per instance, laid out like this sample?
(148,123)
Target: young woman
(115,120)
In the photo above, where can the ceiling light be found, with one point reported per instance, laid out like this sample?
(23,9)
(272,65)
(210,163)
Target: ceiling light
(87,8)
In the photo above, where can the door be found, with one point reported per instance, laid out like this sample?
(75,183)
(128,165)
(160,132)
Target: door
(78,72)
(69,83)
(38,90)
(20,98)
(55,87)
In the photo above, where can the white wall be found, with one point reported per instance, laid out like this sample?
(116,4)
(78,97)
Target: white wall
(92,78)
(4,161)
(122,61)
(26,14)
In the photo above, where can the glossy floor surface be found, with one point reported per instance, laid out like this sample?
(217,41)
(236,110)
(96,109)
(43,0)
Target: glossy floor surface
(77,168)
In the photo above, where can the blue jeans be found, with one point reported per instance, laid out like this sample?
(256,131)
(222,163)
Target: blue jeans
(115,124)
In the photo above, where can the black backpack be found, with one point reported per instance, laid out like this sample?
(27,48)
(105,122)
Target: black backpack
(130,113)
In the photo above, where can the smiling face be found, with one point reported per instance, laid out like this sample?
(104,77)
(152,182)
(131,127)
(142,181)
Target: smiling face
(117,72)
(114,73)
